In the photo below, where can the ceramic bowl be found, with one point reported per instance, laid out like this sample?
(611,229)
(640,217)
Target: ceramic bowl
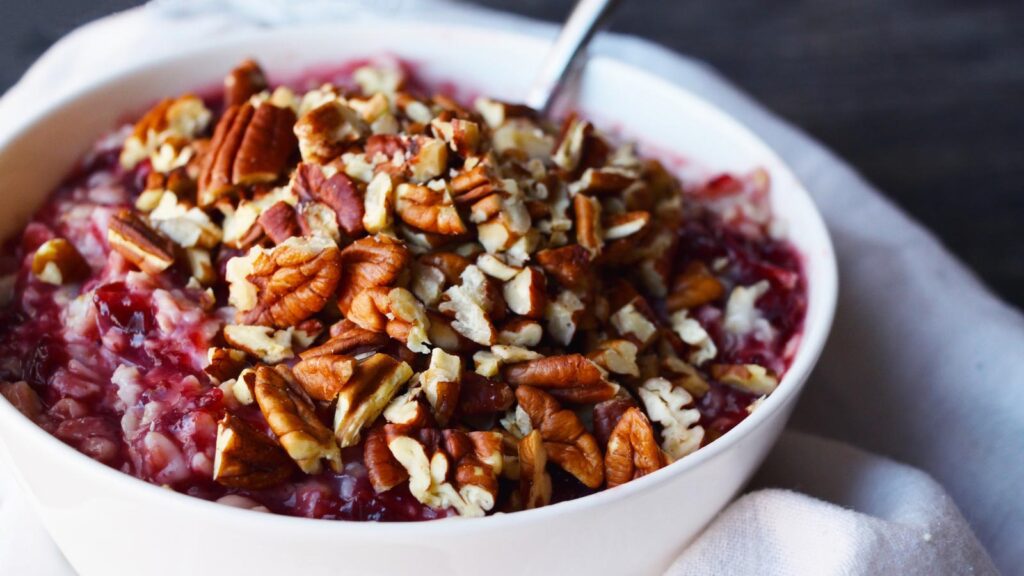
(107,522)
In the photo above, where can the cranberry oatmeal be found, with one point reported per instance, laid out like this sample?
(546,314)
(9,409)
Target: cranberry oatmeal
(357,302)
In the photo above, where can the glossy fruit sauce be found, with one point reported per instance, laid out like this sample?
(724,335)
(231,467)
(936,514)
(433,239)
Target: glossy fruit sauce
(117,360)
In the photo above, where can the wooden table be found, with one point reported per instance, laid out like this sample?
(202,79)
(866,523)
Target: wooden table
(925,97)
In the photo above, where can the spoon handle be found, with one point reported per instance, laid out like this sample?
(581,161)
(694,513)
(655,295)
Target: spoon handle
(583,22)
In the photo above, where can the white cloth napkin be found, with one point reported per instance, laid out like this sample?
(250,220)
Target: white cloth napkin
(920,366)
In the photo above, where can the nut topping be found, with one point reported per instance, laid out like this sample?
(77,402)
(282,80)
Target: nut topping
(632,450)
(567,442)
(139,243)
(534,481)
(571,377)
(243,83)
(245,458)
(293,419)
(369,262)
(58,262)
(372,386)
(286,285)
(323,377)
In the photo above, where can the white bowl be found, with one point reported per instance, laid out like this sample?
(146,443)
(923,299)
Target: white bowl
(107,522)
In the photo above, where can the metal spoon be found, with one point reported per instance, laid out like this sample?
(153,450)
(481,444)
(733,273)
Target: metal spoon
(586,18)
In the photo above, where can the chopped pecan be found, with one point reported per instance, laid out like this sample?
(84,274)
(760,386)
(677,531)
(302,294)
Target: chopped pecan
(567,442)
(471,303)
(429,159)
(526,293)
(323,377)
(694,286)
(603,181)
(441,382)
(348,338)
(395,311)
(384,471)
(667,405)
(224,363)
(324,132)
(570,377)
(58,262)
(139,243)
(247,459)
(409,409)
(261,342)
(563,315)
(607,415)
(534,481)
(482,396)
(450,264)
(286,285)
(588,223)
(372,386)
(337,192)
(23,398)
(279,222)
(369,262)
(616,356)
(636,321)
(520,332)
(632,450)
(750,378)
(294,420)
(429,210)
(244,82)
(620,226)
(570,265)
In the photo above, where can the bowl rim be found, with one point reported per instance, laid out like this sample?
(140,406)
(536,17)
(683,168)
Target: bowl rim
(813,337)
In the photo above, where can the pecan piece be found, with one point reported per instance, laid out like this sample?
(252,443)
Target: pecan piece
(23,398)
(58,262)
(324,132)
(694,286)
(139,243)
(284,286)
(567,442)
(395,311)
(338,192)
(481,396)
(370,389)
(384,471)
(570,377)
(247,459)
(570,265)
(348,338)
(293,419)
(534,480)
(632,450)
(244,82)
(526,293)
(323,377)
(607,415)
(279,222)
(369,262)
(588,223)
(749,378)
(224,363)
(429,210)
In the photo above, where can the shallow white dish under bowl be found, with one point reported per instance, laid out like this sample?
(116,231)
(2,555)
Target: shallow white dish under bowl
(108,523)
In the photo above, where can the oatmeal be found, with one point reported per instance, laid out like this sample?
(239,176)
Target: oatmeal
(351,300)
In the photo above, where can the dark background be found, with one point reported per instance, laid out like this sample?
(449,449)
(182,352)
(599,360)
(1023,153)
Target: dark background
(924,97)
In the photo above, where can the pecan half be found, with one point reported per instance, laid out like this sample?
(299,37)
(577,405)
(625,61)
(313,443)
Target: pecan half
(632,450)
(570,377)
(250,146)
(294,420)
(139,243)
(287,284)
(245,458)
(534,481)
(567,442)
(58,262)
(369,262)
